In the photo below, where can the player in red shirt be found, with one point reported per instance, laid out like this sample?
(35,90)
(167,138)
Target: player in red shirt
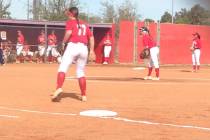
(26,52)
(196,51)
(149,43)
(78,36)
(107,49)
(19,46)
(41,46)
(52,42)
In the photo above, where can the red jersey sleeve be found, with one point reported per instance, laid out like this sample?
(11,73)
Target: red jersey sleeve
(89,32)
(69,25)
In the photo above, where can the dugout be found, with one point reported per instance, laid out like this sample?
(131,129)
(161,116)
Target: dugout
(31,30)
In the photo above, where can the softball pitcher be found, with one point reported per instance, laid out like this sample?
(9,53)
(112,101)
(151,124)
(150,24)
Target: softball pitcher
(77,35)
(196,51)
(148,42)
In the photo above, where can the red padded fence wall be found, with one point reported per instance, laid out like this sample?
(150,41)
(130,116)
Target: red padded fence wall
(126,42)
(176,39)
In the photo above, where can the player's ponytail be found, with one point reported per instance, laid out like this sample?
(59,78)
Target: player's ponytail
(75,13)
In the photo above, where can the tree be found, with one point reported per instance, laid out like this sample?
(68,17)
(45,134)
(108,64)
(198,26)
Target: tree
(166,17)
(183,16)
(127,11)
(108,12)
(94,19)
(149,20)
(198,14)
(4,9)
(54,9)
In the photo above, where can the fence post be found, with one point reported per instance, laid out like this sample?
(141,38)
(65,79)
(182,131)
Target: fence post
(46,42)
(135,47)
(158,37)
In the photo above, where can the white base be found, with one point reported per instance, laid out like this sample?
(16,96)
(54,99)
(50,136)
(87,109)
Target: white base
(98,113)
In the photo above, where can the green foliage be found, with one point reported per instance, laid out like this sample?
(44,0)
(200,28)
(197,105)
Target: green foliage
(4,9)
(109,12)
(149,20)
(167,17)
(182,17)
(127,11)
(197,15)
(54,10)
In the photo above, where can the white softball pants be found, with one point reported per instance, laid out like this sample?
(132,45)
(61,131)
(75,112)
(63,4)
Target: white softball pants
(27,53)
(107,50)
(19,48)
(53,50)
(78,52)
(196,57)
(41,50)
(154,52)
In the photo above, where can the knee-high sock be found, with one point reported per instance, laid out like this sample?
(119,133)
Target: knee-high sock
(157,72)
(194,67)
(149,71)
(60,79)
(82,85)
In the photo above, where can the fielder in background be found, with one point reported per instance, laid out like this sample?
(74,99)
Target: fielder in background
(78,36)
(107,49)
(149,43)
(19,46)
(41,46)
(196,51)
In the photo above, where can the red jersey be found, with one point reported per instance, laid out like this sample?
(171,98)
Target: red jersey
(148,41)
(41,39)
(197,43)
(79,34)
(52,39)
(20,39)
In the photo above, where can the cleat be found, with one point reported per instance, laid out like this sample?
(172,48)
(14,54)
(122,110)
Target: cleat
(105,63)
(84,98)
(156,79)
(148,78)
(56,93)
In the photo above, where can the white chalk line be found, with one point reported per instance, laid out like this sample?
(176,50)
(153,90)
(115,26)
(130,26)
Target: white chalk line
(38,112)
(114,118)
(9,116)
(199,79)
(146,82)
(162,124)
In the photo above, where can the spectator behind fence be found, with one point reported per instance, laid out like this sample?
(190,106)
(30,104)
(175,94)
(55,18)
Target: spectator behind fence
(52,52)
(27,54)
(3,40)
(19,46)
(41,46)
